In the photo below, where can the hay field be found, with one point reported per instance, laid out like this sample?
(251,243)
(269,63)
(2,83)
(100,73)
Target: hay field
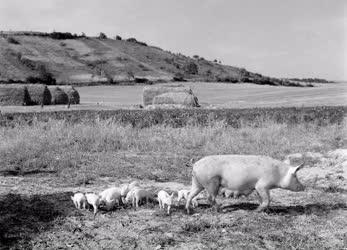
(227,95)
(43,163)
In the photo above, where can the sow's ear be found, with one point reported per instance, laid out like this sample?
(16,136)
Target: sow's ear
(293,170)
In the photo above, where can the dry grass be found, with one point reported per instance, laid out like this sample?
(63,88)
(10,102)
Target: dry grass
(150,92)
(13,94)
(58,96)
(93,147)
(72,93)
(180,98)
(39,94)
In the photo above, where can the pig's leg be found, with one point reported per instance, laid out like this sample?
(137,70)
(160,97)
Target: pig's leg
(212,189)
(264,195)
(195,189)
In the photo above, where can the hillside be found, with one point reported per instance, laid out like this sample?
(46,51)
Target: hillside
(35,56)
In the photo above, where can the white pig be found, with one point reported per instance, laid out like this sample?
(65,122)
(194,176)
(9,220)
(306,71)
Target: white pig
(243,174)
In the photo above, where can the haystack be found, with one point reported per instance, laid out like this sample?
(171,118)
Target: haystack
(39,94)
(177,98)
(72,93)
(13,94)
(150,92)
(58,96)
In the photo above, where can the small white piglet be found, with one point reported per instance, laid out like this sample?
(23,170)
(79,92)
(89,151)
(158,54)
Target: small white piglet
(93,200)
(182,194)
(165,199)
(79,200)
(109,197)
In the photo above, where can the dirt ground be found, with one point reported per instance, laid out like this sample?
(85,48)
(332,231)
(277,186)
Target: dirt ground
(36,212)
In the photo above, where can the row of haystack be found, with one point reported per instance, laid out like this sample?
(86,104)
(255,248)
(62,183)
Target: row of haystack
(37,94)
(169,95)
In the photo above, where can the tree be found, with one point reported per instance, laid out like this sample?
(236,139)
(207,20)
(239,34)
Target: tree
(102,36)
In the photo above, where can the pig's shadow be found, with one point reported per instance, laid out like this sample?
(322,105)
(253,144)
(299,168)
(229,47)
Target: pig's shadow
(315,208)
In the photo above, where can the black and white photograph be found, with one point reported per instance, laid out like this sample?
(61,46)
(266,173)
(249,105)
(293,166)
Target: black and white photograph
(173,124)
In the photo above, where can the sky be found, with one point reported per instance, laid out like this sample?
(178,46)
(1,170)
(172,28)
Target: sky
(293,38)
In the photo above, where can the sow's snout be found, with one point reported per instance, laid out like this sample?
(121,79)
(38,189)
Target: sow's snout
(299,187)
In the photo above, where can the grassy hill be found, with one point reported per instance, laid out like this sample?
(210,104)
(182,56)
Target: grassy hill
(67,58)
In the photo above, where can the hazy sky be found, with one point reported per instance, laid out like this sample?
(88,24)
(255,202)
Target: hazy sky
(303,38)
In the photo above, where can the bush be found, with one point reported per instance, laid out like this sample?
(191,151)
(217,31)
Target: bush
(179,77)
(102,36)
(12,40)
(118,38)
(43,77)
(62,35)
(133,40)
(191,68)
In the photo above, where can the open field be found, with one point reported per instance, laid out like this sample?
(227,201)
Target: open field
(211,95)
(44,162)
(227,95)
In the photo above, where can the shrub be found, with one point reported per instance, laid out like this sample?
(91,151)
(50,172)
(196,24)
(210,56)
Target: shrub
(191,68)
(43,76)
(12,40)
(133,40)
(62,35)
(141,80)
(179,77)
(102,36)
(118,38)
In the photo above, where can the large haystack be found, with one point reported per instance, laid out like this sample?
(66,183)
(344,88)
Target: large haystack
(14,95)
(39,94)
(58,96)
(176,98)
(72,93)
(150,92)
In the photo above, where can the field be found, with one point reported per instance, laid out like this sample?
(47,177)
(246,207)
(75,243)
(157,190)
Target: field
(227,95)
(211,95)
(44,162)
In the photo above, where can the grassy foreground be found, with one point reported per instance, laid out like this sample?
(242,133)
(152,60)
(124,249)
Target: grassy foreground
(43,163)
(84,151)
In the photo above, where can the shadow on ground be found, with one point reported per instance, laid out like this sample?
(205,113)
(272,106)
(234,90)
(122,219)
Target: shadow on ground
(22,217)
(18,172)
(316,208)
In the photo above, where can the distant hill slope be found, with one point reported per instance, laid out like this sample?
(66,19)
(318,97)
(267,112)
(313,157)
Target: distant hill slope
(28,56)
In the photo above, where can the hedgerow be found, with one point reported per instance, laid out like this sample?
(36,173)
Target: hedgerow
(321,116)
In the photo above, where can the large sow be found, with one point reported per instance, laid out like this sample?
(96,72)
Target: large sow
(243,174)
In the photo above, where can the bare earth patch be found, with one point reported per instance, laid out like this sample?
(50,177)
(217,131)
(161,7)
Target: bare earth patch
(38,213)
